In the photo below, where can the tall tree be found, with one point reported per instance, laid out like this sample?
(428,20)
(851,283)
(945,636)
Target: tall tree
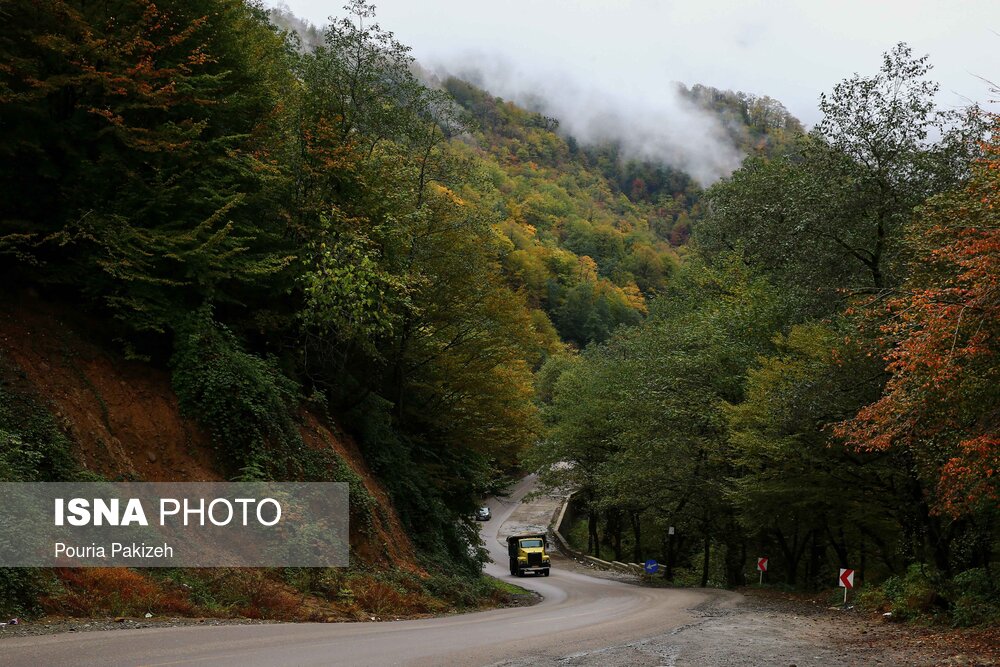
(940,336)
(829,218)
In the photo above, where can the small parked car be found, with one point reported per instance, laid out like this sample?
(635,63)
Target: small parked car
(483,514)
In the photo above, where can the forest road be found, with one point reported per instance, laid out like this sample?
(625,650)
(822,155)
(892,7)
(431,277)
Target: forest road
(579,614)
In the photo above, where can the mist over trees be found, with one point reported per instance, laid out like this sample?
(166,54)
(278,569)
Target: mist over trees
(817,382)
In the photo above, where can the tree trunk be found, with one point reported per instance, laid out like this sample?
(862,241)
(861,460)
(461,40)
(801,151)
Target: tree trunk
(736,552)
(637,536)
(593,541)
(863,563)
(668,571)
(815,551)
(615,528)
(705,560)
(792,552)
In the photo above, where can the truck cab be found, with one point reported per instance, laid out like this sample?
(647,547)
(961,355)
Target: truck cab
(528,555)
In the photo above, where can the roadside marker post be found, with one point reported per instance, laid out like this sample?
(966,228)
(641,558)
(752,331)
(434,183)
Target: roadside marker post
(846,581)
(762,567)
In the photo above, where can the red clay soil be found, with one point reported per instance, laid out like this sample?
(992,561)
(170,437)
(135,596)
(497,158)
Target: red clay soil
(125,421)
(391,546)
(122,415)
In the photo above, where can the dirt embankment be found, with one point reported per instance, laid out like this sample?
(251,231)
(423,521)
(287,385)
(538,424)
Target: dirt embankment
(122,416)
(125,423)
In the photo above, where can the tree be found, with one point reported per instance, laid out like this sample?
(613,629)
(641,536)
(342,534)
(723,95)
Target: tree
(828,219)
(798,492)
(637,424)
(131,135)
(940,334)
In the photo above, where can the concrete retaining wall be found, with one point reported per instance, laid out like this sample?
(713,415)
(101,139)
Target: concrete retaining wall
(564,517)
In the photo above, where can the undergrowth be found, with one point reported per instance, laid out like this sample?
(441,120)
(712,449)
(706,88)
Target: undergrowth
(968,599)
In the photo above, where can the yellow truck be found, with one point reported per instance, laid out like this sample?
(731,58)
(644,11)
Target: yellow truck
(527,554)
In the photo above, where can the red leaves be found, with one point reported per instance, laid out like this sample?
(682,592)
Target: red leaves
(941,339)
(116,69)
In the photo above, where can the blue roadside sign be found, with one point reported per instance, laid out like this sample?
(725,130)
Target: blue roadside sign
(651,566)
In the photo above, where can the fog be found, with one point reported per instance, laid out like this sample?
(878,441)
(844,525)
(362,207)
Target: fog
(607,69)
(665,127)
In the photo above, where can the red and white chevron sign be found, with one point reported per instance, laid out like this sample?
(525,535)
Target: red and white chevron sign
(846,578)
(762,564)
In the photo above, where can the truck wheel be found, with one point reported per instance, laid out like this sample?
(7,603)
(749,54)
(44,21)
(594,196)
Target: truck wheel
(546,573)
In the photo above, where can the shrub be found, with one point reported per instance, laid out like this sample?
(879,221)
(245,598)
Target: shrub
(874,598)
(244,401)
(251,593)
(908,596)
(380,597)
(461,591)
(975,598)
(32,448)
(247,404)
(113,592)
(20,589)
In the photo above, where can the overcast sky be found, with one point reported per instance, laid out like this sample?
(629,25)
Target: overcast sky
(617,58)
(789,50)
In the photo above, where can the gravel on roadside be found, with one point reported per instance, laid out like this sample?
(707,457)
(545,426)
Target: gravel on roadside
(768,629)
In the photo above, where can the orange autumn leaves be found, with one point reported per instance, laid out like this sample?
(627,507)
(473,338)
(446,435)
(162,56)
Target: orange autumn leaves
(942,332)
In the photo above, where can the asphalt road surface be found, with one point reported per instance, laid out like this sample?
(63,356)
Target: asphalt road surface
(578,613)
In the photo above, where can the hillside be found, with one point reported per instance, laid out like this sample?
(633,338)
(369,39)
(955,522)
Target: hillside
(225,271)
(595,233)
(74,403)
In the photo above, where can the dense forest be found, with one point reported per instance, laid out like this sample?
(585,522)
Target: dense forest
(818,381)
(795,362)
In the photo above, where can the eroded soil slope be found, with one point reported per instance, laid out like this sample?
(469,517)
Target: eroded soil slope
(125,423)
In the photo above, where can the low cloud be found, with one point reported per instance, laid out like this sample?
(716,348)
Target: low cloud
(656,123)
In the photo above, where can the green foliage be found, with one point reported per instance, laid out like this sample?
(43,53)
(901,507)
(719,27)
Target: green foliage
(424,483)
(32,449)
(829,216)
(637,425)
(759,125)
(465,592)
(20,589)
(975,598)
(244,401)
(130,134)
(582,252)
(718,414)
(248,406)
(349,293)
(909,596)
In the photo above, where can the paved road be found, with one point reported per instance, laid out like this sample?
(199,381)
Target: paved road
(578,613)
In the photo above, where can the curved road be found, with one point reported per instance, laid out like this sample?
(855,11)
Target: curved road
(578,613)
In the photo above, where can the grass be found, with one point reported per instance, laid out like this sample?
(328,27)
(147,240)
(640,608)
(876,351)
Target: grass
(507,588)
(295,594)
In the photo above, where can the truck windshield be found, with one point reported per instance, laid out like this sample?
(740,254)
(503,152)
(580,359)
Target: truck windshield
(530,544)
